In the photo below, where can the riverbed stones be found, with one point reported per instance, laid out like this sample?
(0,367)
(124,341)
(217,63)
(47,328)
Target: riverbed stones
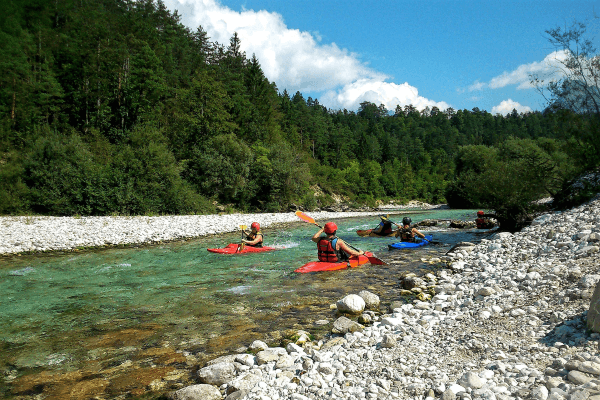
(351,304)
(196,392)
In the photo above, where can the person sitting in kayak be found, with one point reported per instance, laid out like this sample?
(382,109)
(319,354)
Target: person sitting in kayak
(255,237)
(408,234)
(330,247)
(385,226)
(483,220)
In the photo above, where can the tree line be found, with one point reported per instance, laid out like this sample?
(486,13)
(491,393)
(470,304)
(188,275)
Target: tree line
(115,107)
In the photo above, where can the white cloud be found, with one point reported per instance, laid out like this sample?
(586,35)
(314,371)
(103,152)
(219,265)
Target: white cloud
(295,60)
(378,92)
(506,107)
(477,86)
(548,68)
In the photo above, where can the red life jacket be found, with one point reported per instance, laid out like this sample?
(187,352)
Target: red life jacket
(483,223)
(327,251)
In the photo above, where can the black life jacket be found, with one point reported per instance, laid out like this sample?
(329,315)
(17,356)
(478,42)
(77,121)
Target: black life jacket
(328,253)
(387,229)
(252,236)
(407,235)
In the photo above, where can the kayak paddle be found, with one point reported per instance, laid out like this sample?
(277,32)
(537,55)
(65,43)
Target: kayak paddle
(372,259)
(242,244)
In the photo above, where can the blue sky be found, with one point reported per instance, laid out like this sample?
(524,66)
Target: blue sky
(459,54)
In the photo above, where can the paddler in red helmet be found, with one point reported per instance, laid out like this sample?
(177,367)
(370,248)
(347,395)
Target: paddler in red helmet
(255,237)
(483,220)
(330,247)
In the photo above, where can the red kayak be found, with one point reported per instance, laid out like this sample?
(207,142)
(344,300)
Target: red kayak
(318,266)
(369,232)
(233,248)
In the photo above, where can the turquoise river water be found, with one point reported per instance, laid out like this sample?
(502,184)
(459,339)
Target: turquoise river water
(86,313)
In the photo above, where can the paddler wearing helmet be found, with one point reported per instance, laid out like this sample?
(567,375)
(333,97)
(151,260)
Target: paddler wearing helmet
(407,233)
(385,226)
(330,247)
(255,237)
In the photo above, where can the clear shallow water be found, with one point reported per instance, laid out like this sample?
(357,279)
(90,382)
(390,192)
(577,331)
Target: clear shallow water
(100,308)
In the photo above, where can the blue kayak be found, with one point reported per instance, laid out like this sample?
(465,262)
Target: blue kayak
(410,245)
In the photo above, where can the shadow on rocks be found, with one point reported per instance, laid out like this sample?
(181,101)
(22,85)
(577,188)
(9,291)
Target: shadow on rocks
(570,332)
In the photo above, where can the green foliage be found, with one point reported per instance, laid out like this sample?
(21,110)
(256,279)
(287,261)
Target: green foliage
(221,169)
(13,191)
(62,178)
(117,108)
(508,179)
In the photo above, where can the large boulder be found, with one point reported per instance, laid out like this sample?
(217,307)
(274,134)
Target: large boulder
(344,325)
(411,281)
(217,374)
(258,345)
(351,304)
(371,299)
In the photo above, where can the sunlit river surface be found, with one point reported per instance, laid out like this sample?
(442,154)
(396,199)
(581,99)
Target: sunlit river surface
(117,321)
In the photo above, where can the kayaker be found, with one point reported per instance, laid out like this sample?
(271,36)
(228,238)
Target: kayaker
(483,220)
(408,234)
(330,247)
(255,237)
(385,226)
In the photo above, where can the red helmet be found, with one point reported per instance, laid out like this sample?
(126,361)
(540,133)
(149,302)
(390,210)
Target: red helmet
(479,212)
(255,226)
(330,228)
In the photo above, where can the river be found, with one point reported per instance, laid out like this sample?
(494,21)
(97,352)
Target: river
(124,321)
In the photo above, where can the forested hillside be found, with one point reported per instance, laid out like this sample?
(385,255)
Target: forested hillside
(114,107)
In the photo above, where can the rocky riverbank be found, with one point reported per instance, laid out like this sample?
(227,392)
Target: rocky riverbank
(507,320)
(40,234)
(32,234)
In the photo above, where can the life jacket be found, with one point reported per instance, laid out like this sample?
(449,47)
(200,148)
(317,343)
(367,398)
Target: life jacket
(483,223)
(387,228)
(328,253)
(252,236)
(407,235)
